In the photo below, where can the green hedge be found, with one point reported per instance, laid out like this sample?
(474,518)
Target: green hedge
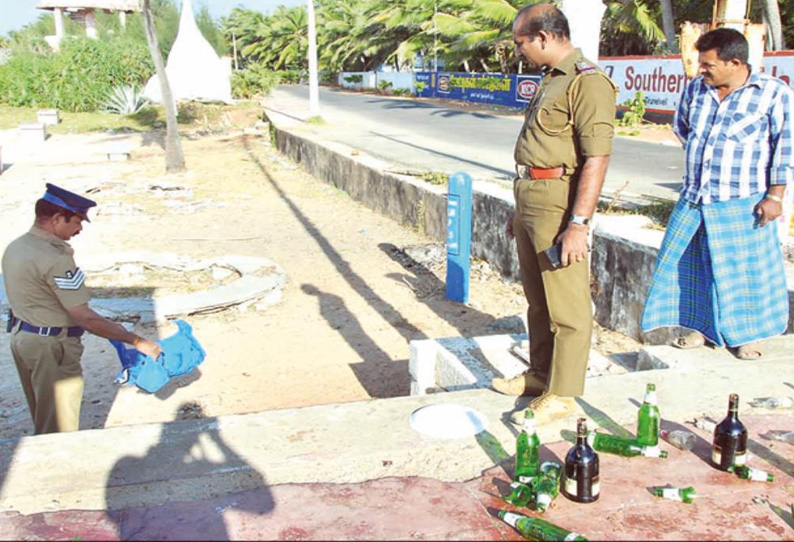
(255,80)
(77,78)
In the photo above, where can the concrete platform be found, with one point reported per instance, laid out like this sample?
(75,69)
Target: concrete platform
(357,470)
(411,508)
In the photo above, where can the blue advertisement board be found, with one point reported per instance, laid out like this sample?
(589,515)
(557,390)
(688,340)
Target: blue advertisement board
(509,90)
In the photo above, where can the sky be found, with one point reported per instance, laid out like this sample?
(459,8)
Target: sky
(14,14)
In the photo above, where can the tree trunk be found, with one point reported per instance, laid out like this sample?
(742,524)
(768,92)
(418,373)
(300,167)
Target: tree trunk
(774,28)
(314,85)
(668,24)
(174,159)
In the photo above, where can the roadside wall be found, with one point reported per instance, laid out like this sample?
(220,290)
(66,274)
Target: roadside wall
(624,248)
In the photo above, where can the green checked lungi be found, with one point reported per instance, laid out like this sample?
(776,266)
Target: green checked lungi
(718,272)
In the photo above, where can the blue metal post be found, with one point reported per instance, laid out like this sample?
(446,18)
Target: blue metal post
(458,237)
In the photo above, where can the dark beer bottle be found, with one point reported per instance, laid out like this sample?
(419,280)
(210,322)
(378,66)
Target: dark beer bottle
(729,447)
(581,482)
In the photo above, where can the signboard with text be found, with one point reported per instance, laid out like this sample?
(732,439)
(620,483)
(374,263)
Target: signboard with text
(494,88)
(662,79)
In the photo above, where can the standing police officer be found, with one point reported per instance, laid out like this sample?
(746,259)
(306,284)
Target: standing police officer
(49,312)
(561,155)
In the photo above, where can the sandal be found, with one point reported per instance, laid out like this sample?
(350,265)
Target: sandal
(693,340)
(749,351)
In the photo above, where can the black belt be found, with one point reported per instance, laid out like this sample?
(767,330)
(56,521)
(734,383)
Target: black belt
(73,331)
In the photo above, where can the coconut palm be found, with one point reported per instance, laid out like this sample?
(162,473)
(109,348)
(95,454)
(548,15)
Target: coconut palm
(630,27)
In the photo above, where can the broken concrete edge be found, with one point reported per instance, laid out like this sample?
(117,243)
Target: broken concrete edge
(160,308)
(625,247)
(458,363)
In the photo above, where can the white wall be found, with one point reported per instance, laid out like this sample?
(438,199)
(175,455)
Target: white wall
(372,79)
(662,79)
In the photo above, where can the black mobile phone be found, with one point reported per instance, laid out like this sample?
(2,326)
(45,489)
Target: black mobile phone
(554,255)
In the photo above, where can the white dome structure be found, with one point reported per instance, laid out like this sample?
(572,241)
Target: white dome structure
(194,69)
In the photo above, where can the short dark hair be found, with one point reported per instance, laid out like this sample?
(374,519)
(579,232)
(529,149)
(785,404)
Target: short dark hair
(729,44)
(45,209)
(549,19)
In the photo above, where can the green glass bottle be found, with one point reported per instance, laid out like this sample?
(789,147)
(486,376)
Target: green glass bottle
(626,447)
(537,528)
(686,494)
(749,473)
(521,495)
(527,450)
(648,419)
(547,485)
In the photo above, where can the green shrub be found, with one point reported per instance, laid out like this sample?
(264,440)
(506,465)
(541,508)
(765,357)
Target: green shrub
(255,80)
(435,177)
(292,77)
(401,91)
(354,79)
(77,78)
(384,85)
(124,100)
(635,111)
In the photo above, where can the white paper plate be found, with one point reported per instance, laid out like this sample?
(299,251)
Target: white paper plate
(448,421)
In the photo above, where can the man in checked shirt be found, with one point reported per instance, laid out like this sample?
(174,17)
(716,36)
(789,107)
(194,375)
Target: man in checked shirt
(720,268)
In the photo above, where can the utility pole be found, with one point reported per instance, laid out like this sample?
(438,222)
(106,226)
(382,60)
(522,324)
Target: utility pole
(234,48)
(314,91)
(435,36)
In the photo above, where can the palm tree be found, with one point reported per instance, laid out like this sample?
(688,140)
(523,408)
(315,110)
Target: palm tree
(344,27)
(279,41)
(629,27)
(668,24)
(174,159)
(771,16)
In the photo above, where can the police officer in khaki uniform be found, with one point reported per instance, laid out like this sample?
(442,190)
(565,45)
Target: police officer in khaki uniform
(561,158)
(49,312)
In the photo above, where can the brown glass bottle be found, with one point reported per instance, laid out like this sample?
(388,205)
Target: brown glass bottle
(581,481)
(729,446)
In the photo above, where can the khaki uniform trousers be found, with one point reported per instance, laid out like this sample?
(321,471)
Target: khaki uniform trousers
(560,314)
(52,378)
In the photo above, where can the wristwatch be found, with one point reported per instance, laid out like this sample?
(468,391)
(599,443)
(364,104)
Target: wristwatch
(580,220)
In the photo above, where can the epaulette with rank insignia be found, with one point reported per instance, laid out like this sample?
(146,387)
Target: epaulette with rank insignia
(585,67)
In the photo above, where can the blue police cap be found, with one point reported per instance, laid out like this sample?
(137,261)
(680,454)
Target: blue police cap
(68,200)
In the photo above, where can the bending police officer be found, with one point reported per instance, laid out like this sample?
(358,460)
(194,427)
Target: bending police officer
(49,312)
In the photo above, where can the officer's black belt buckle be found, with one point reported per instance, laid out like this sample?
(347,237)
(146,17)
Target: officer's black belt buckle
(73,331)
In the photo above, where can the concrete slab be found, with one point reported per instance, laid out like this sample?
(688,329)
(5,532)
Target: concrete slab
(151,464)
(419,508)
(460,363)
(779,348)
(48,116)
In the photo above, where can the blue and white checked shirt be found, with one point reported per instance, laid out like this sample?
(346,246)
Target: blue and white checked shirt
(738,147)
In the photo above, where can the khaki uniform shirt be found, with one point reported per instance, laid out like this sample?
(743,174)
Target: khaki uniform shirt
(563,130)
(41,279)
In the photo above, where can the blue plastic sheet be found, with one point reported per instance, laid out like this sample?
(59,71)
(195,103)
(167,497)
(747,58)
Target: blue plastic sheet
(181,354)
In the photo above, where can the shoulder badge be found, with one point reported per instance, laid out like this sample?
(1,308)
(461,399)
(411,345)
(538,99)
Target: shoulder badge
(585,67)
(72,281)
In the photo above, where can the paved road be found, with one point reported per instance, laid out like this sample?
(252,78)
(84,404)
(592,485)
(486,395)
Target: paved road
(439,136)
